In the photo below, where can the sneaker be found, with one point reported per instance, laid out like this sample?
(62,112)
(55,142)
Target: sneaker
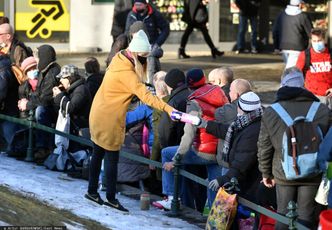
(254,51)
(95,198)
(164,204)
(115,204)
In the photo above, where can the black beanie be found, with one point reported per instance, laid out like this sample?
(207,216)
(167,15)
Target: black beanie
(195,78)
(175,78)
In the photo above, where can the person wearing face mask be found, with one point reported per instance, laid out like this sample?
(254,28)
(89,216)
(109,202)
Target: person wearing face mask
(28,88)
(315,63)
(123,80)
(157,30)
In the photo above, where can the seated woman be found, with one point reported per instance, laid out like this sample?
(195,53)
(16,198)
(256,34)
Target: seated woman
(72,89)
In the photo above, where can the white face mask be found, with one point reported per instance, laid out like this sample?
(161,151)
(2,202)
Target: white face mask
(33,74)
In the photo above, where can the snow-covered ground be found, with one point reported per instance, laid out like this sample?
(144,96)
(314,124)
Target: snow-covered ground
(46,186)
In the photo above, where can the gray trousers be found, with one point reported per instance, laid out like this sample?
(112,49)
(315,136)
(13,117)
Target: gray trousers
(304,196)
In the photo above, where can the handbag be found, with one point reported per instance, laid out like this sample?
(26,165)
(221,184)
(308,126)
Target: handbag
(223,211)
(63,125)
(59,159)
(201,16)
(323,191)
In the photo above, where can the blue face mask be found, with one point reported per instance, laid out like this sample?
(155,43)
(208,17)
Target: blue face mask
(32,74)
(318,46)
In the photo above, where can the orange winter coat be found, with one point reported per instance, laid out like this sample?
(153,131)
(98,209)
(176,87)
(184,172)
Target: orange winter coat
(108,111)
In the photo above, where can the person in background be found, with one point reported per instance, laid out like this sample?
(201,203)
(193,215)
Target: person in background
(292,32)
(123,80)
(94,76)
(157,30)
(196,16)
(29,87)
(72,90)
(3,20)
(318,73)
(11,46)
(120,13)
(248,12)
(42,100)
(222,77)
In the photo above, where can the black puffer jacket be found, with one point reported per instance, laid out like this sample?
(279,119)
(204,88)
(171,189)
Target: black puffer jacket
(8,88)
(157,26)
(170,132)
(48,70)
(80,103)
(248,8)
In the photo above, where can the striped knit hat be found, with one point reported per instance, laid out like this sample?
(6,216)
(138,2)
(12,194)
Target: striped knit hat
(249,102)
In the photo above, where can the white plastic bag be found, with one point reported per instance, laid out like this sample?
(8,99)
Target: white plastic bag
(63,125)
(323,191)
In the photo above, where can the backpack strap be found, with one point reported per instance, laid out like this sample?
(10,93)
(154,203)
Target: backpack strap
(307,60)
(282,113)
(312,111)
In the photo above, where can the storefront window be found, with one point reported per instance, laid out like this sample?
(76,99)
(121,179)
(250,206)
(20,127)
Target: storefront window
(228,21)
(172,11)
(37,21)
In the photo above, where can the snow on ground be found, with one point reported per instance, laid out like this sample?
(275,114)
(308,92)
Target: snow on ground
(46,186)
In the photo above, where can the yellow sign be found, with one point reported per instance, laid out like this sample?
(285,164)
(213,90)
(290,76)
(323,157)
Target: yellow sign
(49,16)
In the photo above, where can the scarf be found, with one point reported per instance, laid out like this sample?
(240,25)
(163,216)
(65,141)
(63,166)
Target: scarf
(239,124)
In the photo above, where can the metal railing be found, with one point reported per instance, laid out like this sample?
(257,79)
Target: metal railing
(290,219)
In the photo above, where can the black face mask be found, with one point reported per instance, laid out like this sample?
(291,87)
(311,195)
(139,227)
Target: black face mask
(141,59)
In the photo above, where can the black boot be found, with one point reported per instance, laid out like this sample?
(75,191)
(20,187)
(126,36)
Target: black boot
(182,54)
(215,52)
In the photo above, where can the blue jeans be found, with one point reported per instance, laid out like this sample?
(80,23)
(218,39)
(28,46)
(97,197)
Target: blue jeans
(243,28)
(190,157)
(44,115)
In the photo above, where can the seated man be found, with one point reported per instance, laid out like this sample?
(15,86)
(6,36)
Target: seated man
(197,146)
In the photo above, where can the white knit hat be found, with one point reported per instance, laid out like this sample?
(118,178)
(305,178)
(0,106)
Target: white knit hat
(295,2)
(249,102)
(140,43)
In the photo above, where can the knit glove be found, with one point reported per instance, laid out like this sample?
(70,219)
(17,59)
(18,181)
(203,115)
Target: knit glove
(156,51)
(214,185)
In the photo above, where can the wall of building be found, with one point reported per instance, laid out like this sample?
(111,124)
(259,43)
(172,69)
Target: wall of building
(90,26)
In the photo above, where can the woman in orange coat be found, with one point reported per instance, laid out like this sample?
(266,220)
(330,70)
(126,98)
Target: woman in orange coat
(123,80)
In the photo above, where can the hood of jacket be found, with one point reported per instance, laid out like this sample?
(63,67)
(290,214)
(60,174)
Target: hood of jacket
(210,94)
(149,11)
(288,93)
(292,10)
(47,56)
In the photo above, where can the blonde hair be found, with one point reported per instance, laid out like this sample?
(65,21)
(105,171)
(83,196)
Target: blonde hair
(160,75)
(224,74)
(140,69)
(161,88)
